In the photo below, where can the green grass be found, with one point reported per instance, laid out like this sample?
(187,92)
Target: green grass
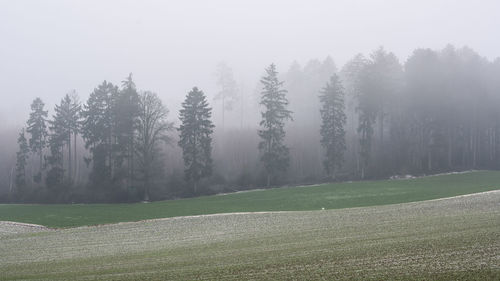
(448,239)
(328,196)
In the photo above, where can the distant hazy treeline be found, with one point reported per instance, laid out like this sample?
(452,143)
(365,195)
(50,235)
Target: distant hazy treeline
(376,117)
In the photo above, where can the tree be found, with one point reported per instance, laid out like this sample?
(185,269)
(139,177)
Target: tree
(22,158)
(383,88)
(351,76)
(74,124)
(55,175)
(274,153)
(125,114)
(228,88)
(98,131)
(332,127)
(152,129)
(196,137)
(367,114)
(37,128)
(65,123)
(423,76)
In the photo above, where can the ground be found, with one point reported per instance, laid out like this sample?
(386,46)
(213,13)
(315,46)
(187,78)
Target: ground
(448,239)
(304,198)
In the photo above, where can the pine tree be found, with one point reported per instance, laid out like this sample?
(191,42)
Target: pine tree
(367,114)
(126,113)
(351,76)
(61,128)
(196,137)
(57,137)
(22,158)
(275,154)
(228,89)
(98,131)
(37,128)
(152,129)
(332,126)
(74,123)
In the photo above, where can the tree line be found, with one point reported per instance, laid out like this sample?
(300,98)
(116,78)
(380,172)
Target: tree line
(375,118)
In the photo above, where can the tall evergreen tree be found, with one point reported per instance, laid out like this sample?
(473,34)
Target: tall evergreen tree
(22,158)
(62,126)
(196,137)
(58,136)
(74,122)
(37,128)
(367,114)
(98,131)
(126,114)
(332,127)
(274,153)
(351,76)
(228,89)
(152,129)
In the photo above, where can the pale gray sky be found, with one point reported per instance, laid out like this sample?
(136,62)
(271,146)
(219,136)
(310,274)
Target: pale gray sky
(50,47)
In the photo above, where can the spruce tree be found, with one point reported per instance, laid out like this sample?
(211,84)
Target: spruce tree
(274,153)
(196,137)
(55,174)
(37,128)
(126,113)
(228,89)
(62,126)
(332,127)
(366,118)
(74,123)
(22,158)
(98,131)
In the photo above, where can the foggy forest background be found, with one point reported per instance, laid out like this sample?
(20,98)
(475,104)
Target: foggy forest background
(437,111)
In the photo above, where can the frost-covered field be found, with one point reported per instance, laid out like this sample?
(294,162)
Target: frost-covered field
(7,228)
(455,238)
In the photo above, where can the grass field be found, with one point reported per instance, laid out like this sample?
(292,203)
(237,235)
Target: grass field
(328,196)
(446,239)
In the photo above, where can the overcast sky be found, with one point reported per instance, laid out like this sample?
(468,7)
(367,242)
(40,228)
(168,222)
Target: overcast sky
(50,47)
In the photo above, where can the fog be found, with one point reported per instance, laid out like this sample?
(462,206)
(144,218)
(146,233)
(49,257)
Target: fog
(50,48)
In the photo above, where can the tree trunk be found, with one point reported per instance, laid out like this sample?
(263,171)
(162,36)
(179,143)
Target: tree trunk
(131,161)
(74,156)
(381,129)
(429,160)
(41,160)
(69,157)
(268,180)
(146,186)
(450,140)
(223,109)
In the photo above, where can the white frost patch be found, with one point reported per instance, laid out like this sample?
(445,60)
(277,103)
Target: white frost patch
(406,177)
(465,195)
(478,194)
(10,227)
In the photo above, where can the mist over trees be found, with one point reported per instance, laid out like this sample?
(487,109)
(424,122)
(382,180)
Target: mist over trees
(375,117)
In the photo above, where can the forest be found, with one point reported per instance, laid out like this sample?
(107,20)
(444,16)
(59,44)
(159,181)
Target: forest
(376,117)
